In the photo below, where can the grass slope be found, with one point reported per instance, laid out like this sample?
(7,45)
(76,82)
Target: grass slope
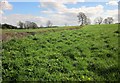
(8,34)
(89,53)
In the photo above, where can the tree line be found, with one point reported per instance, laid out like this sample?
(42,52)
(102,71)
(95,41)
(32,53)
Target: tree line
(7,26)
(26,25)
(82,19)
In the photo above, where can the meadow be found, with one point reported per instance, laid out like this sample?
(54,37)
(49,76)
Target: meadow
(89,53)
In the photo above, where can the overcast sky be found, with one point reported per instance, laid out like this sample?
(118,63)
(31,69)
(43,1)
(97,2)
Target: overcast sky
(59,12)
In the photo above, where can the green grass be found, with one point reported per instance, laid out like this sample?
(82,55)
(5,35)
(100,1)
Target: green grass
(8,34)
(36,30)
(89,53)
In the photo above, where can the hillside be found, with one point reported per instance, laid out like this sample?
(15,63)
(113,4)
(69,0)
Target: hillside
(82,54)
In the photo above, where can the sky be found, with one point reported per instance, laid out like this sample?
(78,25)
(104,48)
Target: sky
(59,12)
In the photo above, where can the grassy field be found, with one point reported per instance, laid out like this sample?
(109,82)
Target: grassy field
(8,34)
(89,53)
(37,29)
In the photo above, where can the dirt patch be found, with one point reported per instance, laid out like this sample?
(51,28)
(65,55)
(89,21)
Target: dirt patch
(10,35)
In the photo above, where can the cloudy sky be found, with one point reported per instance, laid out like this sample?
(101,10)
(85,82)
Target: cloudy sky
(59,12)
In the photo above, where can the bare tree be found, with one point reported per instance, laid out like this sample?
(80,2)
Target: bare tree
(110,20)
(21,24)
(82,18)
(88,21)
(105,21)
(98,20)
(49,23)
(65,24)
(41,26)
(29,24)
(33,25)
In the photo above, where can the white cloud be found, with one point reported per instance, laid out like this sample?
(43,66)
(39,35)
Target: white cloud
(59,14)
(1,12)
(15,18)
(69,15)
(60,17)
(53,5)
(47,12)
(63,1)
(112,13)
(5,5)
(61,8)
(112,2)
(58,5)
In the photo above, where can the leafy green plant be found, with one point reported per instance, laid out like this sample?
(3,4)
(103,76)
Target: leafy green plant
(86,54)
